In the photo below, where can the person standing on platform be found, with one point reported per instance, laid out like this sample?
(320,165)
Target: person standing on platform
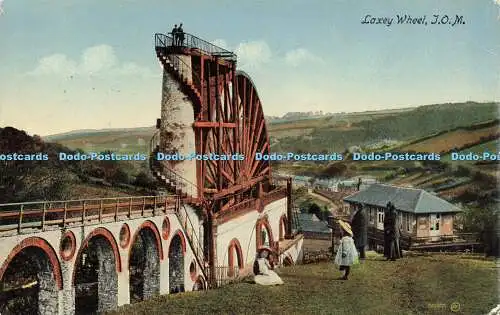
(180,35)
(175,31)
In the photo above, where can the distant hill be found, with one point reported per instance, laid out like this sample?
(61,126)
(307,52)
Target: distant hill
(87,132)
(336,133)
(305,132)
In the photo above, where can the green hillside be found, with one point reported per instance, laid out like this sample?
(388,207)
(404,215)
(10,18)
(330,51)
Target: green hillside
(427,284)
(330,133)
(403,126)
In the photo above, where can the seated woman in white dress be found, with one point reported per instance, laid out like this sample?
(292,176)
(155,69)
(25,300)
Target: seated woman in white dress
(264,275)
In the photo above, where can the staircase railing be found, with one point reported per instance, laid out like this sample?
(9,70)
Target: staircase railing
(191,41)
(181,68)
(187,187)
(192,236)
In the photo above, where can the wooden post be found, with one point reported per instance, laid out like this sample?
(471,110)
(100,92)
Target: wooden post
(143,206)
(83,213)
(43,215)
(100,211)
(130,208)
(289,210)
(20,219)
(65,213)
(154,207)
(116,209)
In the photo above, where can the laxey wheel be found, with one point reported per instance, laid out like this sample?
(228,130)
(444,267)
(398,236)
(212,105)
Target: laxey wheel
(243,132)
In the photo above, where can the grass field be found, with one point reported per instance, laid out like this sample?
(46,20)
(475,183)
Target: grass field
(450,140)
(489,146)
(427,284)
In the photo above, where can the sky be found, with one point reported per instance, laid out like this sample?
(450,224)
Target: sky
(68,65)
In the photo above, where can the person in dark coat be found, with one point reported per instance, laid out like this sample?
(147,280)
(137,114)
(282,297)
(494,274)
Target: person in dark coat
(394,248)
(387,230)
(359,226)
(175,32)
(180,35)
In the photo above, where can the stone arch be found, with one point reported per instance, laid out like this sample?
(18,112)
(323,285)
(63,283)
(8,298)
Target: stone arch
(151,226)
(234,247)
(35,259)
(183,240)
(176,253)
(282,227)
(95,275)
(145,254)
(259,237)
(199,284)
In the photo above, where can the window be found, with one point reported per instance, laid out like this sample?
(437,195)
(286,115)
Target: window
(380,216)
(408,222)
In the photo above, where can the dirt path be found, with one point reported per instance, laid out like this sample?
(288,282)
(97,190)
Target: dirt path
(322,198)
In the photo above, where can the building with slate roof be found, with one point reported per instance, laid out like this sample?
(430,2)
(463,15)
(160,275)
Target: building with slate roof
(314,228)
(421,213)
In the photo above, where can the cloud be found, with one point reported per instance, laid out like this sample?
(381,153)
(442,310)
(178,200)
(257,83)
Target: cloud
(253,54)
(94,61)
(299,56)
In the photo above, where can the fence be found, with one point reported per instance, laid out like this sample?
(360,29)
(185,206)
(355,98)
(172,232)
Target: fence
(225,275)
(43,215)
(191,41)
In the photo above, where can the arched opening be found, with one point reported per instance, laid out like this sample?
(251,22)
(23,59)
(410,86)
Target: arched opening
(235,258)
(176,263)
(144,265)
(264,234)
(282,227)
(30,280)
(96,274)
(199,285)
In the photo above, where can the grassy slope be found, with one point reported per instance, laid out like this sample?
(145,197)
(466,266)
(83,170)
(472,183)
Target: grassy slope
(450,140)
(413,285)
(489,146)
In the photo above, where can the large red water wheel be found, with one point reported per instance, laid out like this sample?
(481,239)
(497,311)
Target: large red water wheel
(243,131)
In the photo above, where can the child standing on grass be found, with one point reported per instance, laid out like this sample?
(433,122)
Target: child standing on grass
(347,254)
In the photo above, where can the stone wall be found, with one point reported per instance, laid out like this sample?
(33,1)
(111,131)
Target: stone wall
(107,277)
(176,266)
(62,294)
(176,133)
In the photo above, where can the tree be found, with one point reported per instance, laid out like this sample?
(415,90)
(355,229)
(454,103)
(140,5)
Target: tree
(483,221)
(144,180)
(315,209)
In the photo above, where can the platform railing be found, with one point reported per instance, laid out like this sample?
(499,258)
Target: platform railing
(72,213)
(191,41)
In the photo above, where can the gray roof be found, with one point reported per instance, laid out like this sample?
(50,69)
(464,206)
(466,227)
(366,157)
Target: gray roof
(308,223)
(404,199)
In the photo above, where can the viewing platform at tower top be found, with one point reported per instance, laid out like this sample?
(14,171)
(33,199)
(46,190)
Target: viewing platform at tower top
(192,44)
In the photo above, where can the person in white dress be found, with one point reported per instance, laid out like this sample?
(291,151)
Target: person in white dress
(347,254)
(264,275)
